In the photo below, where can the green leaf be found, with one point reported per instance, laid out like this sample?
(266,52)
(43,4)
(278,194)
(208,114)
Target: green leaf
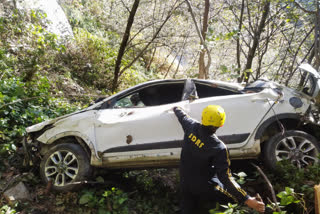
(86,198)
(102,211)
(122,200)
(289,190)
(100,179)
(242,174)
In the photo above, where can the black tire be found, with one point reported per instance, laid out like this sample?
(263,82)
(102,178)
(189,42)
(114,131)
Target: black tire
(65,164)
(299,147)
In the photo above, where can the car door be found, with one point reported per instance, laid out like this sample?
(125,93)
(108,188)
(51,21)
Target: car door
(243,111)
(130,134)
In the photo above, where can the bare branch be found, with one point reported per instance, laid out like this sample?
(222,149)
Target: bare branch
(304,9)
(125,6)
(153,38)
(295,55)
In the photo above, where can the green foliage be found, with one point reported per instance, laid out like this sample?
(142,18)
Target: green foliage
(232,209)
(157,197)
(92,55)
(143,179)
(91,59)
(24,104)
(26,47)
(241,177)
(288,196)
(302,181)
(221,36)
(6,209)
(231,72)
(159,188)
(110,201)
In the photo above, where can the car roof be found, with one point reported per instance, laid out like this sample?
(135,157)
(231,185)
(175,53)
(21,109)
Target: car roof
(213,83)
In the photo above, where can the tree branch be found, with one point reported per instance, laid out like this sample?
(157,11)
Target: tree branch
(304,9)
(153,38)
(274,198)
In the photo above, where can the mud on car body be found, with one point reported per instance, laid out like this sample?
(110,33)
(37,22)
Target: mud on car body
(136,127)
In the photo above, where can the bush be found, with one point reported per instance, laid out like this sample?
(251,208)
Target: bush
(23,104)
(27,48)
(301,180)
(27,53)
(111,200)
(90,59)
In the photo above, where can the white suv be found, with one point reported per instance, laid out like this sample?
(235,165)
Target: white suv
(136,127)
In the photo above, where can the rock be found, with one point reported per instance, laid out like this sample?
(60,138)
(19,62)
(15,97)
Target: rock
(18,192)
(58,22)
(6,5)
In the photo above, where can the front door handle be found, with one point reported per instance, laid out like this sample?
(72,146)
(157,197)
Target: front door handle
(126,113)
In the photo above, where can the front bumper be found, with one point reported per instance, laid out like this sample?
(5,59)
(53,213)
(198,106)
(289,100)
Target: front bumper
(31,151)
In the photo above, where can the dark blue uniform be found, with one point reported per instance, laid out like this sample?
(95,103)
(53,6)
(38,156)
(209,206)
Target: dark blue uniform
(204,167)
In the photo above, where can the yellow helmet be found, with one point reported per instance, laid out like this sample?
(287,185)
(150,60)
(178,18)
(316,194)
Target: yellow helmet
(213,115)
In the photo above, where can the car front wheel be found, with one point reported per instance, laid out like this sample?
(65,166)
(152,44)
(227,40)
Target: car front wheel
(64,165)
(298,147)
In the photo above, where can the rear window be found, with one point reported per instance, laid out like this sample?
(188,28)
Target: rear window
(210,91)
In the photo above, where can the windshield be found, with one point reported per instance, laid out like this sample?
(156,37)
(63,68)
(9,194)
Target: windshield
(308,81)
(307,84)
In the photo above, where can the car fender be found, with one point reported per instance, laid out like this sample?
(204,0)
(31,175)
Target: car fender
(49,140)
(269,121)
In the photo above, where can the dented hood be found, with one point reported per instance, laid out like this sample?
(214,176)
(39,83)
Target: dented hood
(39,126)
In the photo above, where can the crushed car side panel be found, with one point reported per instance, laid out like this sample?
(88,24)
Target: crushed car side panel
(79,125)
(133,135)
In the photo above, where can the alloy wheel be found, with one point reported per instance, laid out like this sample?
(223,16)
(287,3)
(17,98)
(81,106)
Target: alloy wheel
(300,151)
(62,167)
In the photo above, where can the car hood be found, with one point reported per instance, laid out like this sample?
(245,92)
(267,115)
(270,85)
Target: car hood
(39,126)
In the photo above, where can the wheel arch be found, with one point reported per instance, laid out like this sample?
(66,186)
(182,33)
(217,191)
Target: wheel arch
(72,137)
(290,122)
(273,121)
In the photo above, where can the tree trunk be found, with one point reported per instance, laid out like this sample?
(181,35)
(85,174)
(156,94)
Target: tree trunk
(199,34)
(316,64)
(124,44)
(238,41)
(203,73)
(151,59)
(256,39)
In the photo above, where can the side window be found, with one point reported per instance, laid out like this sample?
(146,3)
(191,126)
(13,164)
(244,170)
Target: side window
(211,91)
(130,101)
(162,94)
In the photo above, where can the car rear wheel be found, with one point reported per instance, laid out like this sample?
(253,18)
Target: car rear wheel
(64,165)
(298,147)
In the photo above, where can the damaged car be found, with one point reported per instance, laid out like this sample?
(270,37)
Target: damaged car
(136,128)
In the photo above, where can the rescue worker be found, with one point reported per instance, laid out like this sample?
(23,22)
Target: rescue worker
(204,164)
